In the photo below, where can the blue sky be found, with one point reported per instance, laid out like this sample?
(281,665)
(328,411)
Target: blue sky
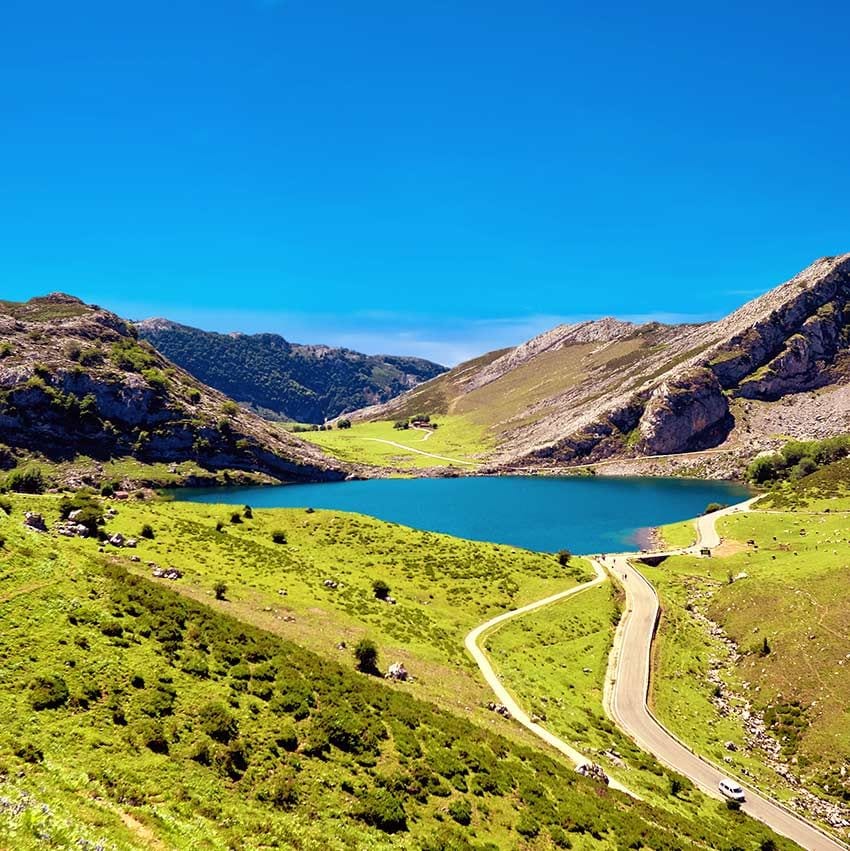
(437,178)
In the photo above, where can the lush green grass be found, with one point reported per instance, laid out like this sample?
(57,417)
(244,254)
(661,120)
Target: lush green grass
(443,586)
(555,661)
(174,725)
(795,595)
(456,438)
(678,535)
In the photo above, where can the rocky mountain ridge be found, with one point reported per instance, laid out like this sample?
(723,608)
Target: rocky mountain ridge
(610,389)
(75,380)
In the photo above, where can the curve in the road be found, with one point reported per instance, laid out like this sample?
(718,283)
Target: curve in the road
(627,690)
(473,645)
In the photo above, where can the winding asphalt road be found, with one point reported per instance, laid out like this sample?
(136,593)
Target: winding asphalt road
(628,689)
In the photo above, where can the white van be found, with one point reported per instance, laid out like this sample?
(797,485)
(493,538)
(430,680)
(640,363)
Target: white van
(732,790)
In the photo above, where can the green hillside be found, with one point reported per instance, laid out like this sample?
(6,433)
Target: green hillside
(139,717)
(286,380)
(778,588)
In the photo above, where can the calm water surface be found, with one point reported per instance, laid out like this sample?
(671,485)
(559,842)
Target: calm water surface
(582,514)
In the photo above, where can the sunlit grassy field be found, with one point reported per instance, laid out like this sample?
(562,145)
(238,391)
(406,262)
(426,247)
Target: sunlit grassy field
(460,442)
(140,717)
(443,586)
(788,611)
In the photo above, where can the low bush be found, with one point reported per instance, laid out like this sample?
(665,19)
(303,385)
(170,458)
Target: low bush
(47,692)
(26,480)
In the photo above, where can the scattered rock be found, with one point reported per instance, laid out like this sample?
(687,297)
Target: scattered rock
(35,521)
(397,671)
(167,573)
(499,709)
(594,771)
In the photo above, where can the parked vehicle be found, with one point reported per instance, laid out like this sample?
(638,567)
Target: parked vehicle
(732,790)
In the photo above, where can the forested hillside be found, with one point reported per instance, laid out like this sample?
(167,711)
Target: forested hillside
(286,380)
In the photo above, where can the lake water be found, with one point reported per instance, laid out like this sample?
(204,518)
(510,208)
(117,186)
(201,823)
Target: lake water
(582,514)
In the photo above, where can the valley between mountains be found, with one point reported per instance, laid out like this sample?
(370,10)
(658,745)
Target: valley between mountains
(193,675)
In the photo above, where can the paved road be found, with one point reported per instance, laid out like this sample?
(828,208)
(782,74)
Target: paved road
(629,686)
(504,696)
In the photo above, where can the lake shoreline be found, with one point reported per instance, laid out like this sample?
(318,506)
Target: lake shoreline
(585,514)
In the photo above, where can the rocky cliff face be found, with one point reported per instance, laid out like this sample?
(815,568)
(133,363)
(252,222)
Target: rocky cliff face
(685,412)
(609,389)
(75,380)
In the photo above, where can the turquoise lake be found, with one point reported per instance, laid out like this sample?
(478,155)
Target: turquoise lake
(584,515)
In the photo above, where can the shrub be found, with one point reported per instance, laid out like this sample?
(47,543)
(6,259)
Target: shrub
(248,512)
(217,722)
(564,557)
(279,536)
(5,505)
(344,424)
(159,701)
(194,396)
(153,736)
(29,752)
(48,692)
(287,738)
(147,531)
(527,825)
(155,379)
(381,809)
(230,408)
(90,357)
(281,790)
(461,811)
(26,480)
(220,590)
(381,589)
(675,786)
(366,654)
(714,506)
(236,517)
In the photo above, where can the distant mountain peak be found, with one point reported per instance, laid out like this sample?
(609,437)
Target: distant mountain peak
(609,388)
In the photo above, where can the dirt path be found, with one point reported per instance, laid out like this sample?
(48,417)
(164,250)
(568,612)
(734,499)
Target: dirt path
(420,451)
(473,645)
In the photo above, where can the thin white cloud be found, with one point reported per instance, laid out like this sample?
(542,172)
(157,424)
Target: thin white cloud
(446,339)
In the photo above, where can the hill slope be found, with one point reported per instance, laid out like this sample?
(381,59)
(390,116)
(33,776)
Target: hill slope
(75,380)
(612,389)
(273,376)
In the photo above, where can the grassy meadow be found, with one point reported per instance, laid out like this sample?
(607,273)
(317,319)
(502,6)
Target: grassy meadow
(778,587)
(443,586)
(457,438)
(135,716)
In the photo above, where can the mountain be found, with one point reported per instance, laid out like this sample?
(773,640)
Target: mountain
(286,380)
(75,380)
(609,389)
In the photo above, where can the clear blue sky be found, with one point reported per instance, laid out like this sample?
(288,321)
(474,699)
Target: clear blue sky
(436,178)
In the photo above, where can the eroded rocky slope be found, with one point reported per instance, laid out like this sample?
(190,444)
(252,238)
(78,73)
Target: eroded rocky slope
(614,390)
(75,380)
